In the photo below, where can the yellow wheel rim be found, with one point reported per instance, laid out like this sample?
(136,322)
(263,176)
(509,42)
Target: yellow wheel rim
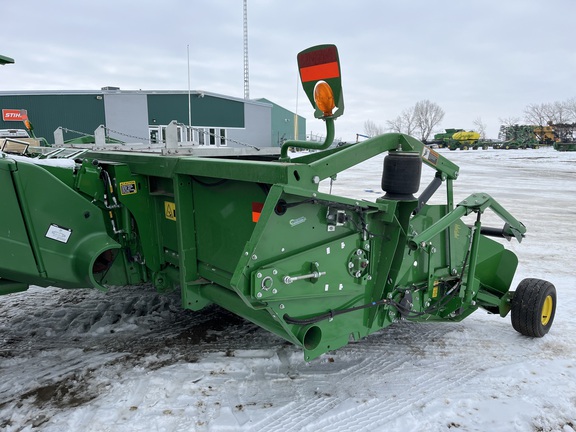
(547,310)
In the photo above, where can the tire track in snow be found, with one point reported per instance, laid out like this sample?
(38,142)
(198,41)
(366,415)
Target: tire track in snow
(47,369)
(398,370)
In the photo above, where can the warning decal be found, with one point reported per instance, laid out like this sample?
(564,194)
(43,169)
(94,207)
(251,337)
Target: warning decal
(128,188)
(58,233)
(430,155)
(170,210)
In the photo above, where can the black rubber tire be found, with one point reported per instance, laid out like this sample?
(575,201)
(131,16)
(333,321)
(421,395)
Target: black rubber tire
(533,307)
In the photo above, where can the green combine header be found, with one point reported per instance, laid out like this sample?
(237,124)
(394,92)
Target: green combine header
(252,233)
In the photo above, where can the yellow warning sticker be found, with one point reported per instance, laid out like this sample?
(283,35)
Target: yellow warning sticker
(128,188)
(457,231)
(435,290)
(170,210)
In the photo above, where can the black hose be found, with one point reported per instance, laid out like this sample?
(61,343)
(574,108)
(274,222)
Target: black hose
(331,314)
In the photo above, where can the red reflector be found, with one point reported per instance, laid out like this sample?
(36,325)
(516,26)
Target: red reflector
(320,72)
(313,58)
(256,211)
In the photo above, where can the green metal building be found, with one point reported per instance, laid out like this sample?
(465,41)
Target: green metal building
(142,116)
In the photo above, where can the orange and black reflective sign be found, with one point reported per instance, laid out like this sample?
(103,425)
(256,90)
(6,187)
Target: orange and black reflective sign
(256,211)
(319,65)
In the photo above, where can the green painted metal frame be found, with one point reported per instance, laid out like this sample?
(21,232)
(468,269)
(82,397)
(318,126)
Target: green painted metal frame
(257,237)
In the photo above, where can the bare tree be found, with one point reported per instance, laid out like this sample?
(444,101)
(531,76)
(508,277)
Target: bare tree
(551,113)
(372,129)
(509,121)
(396,125)
(571,108)
(422,118)
(405,123)
(537,114)
(427,116)
(481,127)
(558,113)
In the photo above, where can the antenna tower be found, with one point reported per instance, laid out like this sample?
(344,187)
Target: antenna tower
(246,78)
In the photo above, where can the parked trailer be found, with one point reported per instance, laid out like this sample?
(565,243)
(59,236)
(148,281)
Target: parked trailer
(252,233)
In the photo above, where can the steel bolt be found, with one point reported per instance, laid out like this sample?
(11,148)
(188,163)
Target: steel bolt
(316,179)
(254,257)
(281,306)
(259,295)
(259,275)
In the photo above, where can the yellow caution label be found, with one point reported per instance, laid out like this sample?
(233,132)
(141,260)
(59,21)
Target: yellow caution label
(128,187)
(435,290)
(170,210)
(457,230)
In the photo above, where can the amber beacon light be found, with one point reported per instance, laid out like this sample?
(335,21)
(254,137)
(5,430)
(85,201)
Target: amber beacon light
(324,98)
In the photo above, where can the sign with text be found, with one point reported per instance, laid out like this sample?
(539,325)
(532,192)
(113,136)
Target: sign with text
(14,115)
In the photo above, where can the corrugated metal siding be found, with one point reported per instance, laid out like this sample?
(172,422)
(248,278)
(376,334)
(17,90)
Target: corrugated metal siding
(83,113)
(283,124)
(206,110)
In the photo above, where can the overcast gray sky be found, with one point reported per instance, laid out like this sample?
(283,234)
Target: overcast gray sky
(486,59)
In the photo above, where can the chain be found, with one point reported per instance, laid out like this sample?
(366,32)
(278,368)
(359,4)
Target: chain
(74,131)
(108,130)
(203,131)
(147,140)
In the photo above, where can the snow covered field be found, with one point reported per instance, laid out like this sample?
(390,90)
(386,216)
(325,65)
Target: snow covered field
(132,360)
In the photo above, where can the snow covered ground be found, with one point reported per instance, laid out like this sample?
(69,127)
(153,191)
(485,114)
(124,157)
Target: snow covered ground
(132,360)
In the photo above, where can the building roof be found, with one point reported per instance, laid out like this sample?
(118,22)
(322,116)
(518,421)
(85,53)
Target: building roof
(114,90)
(5,60)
